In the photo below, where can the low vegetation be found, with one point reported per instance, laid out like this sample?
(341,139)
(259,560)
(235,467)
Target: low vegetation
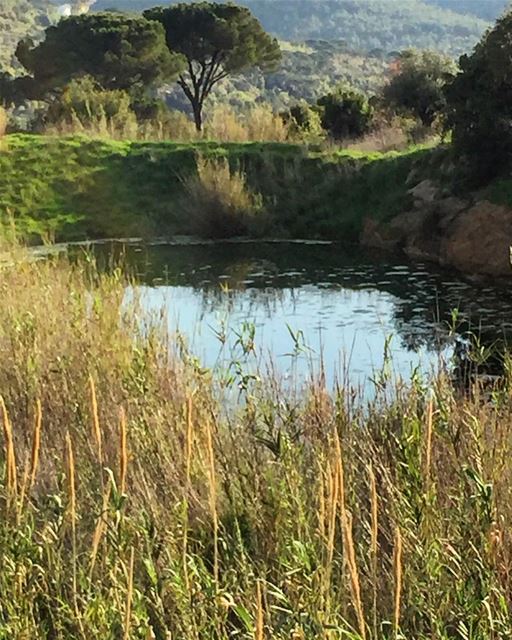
(218,203)
(63,188)
(136,502)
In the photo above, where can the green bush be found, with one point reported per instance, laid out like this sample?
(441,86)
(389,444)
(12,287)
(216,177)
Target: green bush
(417,88)
(345,113)
(84,106)
(480,104)
(303,122)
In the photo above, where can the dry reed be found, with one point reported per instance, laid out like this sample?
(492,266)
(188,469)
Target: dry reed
(123,451)
(10,456)
(398,580)
(212,482)
(259,627)
(36,443)
(96,429)
(346,524)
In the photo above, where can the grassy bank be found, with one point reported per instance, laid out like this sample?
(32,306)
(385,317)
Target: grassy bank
(135,503)
(73,188)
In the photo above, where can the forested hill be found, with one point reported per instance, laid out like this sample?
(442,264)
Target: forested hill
(485,9)
(365,24)
(19,18)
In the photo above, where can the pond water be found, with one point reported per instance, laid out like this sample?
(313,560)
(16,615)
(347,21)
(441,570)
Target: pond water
(302,305)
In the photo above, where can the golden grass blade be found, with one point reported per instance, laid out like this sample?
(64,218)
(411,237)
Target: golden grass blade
(259,627)
(36,444)
(96,429)
(213,501)
(428,457)
(71,476)
(71,480)
(10,456)
(398,579)
(190,439)
(123,451)
(374,543)
(346,523)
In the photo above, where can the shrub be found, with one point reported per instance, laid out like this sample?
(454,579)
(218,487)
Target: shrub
(417,88)
(480,104)
(345,113)
(303,122)
(84,107)
(219,203)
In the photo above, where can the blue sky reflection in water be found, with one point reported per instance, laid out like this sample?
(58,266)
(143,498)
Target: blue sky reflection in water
(345,303)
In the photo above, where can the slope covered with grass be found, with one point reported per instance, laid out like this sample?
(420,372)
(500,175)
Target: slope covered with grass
(77,187)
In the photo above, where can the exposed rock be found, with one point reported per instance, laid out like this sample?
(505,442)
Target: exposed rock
(394,235)
(376,235)
(424,192)
(478,240)
(448,207)
(474,239)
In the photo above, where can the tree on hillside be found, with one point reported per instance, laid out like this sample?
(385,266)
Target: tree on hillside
(417,88)
(119,51)
(217,40)
(345,113)
(480,103)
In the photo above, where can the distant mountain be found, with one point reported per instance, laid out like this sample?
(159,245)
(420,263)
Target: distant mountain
(365,24)
(19,18)
(485,9)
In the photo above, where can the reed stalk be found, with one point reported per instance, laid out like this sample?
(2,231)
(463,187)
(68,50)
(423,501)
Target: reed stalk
(374,545)
(428,456)
(348,540)
(259,627)
(71,477)
(36,443)
(213,501)
(10,456)
(96,429)
(398,580)
(123,451)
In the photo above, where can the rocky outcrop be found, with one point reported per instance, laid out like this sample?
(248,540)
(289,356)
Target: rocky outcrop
(479,240)
(472,237)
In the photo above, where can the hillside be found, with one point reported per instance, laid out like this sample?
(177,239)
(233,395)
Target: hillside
(486,9)
(19,18)
(64,186)
(364,24)
(307,72)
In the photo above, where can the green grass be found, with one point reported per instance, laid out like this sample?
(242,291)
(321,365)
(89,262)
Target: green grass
(290,515)
(75,188)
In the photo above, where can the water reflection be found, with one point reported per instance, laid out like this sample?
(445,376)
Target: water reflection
(345,301)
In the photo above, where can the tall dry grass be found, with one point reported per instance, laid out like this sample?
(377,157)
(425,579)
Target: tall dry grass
(218,201)
(257,124)
(3,121)
(210,520)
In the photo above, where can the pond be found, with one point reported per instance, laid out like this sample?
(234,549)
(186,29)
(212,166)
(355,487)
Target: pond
(306,307)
